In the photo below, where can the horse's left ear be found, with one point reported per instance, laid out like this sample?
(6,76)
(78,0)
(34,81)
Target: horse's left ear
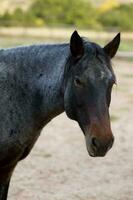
(111,48)
(76,45)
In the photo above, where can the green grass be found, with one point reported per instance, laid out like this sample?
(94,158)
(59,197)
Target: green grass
(17,41)
(128,75)
(114,118)
(6,41)
(126,46)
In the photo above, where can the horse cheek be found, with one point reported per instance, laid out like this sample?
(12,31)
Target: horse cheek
(69,103)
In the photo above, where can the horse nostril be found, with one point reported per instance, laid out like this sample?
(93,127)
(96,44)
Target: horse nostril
(95,143)
(100,147)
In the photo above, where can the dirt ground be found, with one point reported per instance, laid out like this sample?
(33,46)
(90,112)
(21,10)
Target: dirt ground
(59,167)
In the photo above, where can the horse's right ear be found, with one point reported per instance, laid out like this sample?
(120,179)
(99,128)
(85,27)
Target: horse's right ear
(76,45)
(111,48)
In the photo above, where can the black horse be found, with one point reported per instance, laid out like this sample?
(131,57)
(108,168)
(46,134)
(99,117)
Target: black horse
(39,82)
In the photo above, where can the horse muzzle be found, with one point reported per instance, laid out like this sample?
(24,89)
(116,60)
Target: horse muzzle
(99,140)
(98,148)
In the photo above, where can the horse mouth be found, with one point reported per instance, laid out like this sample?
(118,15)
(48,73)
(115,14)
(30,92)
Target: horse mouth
(100,153)
(97,147)
(92,154)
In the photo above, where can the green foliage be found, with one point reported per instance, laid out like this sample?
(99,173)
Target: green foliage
(120,17)
(6,19)
(69,12)
(79,13)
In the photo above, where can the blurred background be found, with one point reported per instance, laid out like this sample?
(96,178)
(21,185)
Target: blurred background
(54,20)
(59,167)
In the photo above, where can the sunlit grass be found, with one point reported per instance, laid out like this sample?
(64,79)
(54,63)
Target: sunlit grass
(10,41)
(114,118)
(124,45)
(128,75)
(18,41)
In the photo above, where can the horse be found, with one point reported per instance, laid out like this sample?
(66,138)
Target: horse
(38,82)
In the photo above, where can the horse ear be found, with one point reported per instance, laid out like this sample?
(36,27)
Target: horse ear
(76,45)
(111,48)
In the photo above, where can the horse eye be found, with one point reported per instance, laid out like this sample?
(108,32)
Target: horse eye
(78,82)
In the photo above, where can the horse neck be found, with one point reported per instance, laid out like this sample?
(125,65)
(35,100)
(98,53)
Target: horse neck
(50,84)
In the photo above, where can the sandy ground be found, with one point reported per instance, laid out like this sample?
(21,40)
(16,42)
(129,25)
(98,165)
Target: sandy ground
(59,167)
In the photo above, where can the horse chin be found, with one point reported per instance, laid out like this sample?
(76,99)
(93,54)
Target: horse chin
(92,154)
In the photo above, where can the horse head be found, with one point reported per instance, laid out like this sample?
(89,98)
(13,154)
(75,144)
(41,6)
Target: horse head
(89,78)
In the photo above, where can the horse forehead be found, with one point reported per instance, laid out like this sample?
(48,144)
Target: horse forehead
(99,73)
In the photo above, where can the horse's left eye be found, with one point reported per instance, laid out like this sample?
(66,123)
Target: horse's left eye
(78,82)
